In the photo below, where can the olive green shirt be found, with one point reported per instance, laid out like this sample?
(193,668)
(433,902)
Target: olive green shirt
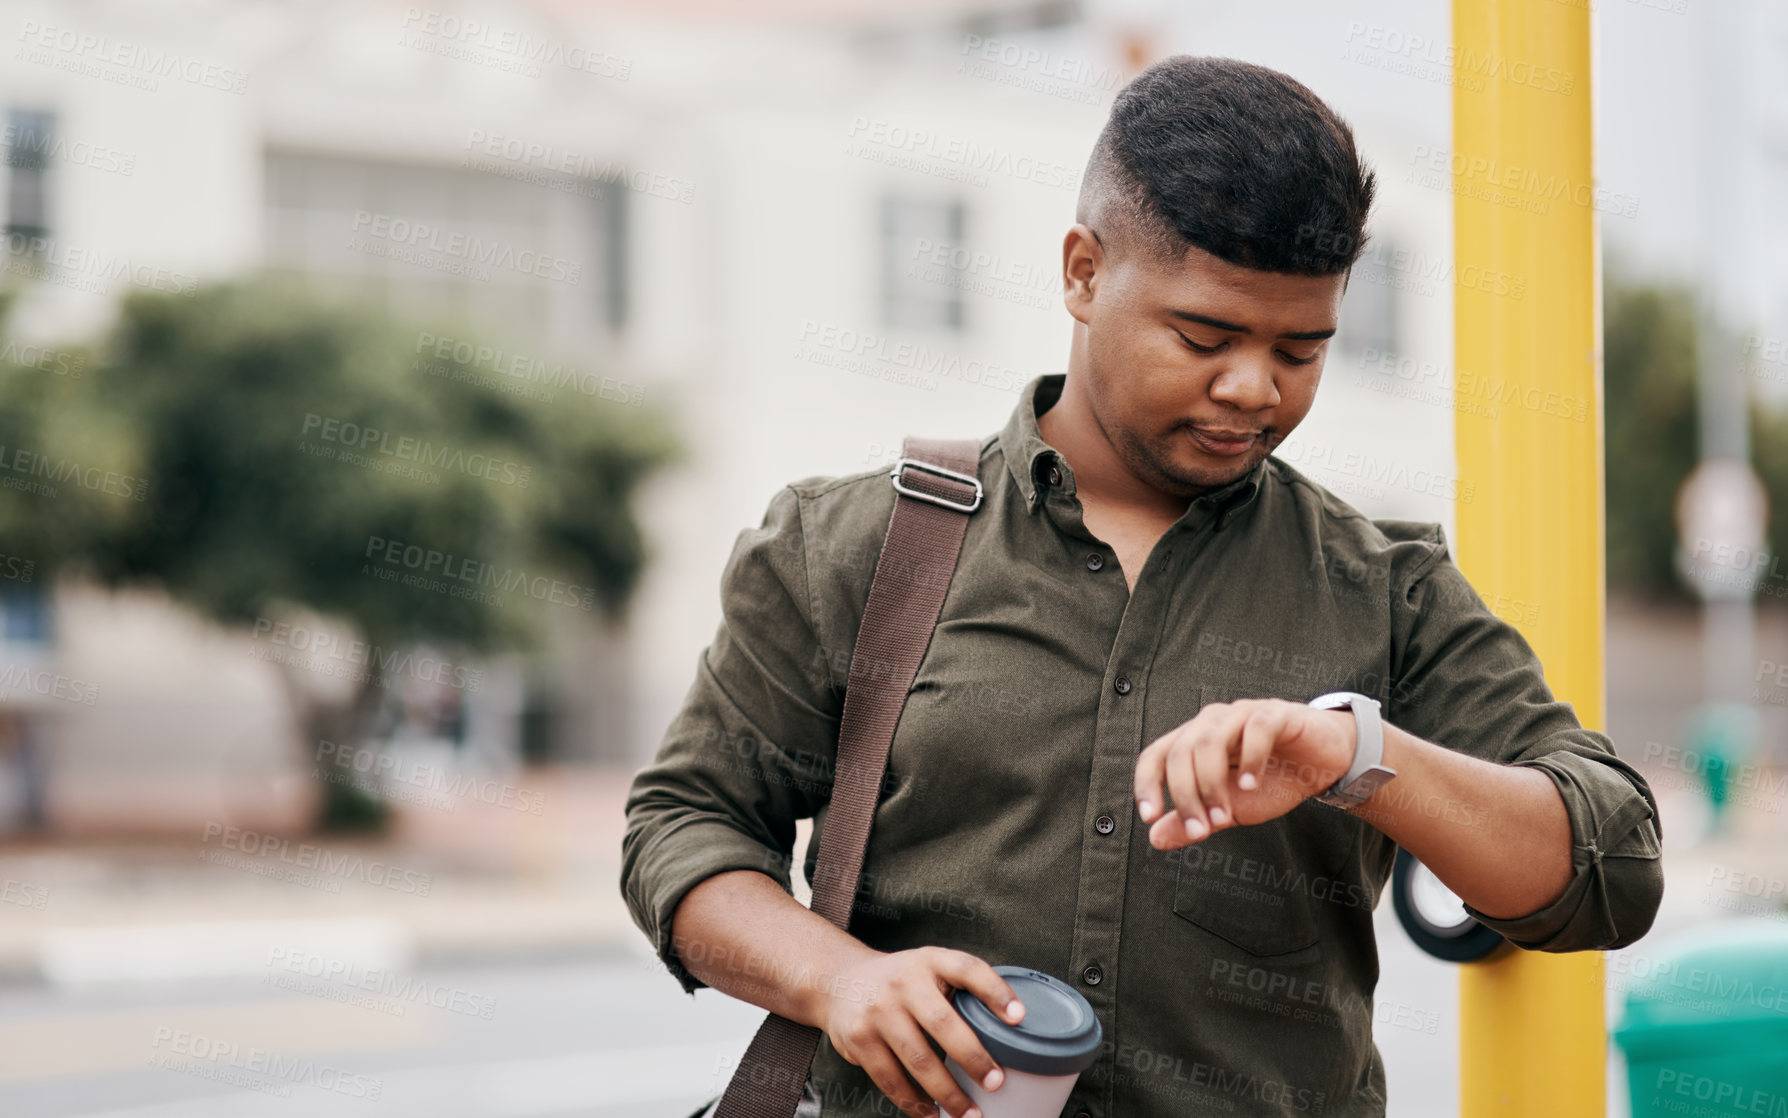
(1232,976)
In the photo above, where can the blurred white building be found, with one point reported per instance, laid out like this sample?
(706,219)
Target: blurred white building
(810,228)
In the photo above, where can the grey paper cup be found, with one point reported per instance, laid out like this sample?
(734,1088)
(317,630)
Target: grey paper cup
(1042,1056)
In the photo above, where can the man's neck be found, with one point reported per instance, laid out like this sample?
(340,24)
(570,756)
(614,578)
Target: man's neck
(1100,476)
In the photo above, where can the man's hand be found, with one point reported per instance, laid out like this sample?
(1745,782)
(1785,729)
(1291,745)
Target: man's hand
(885,1031)
(1239,763)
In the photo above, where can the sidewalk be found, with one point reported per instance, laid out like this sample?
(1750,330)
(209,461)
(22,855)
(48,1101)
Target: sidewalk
(455,882)
(491,884)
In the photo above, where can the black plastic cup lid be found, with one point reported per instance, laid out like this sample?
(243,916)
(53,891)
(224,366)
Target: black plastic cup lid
(1059,1034)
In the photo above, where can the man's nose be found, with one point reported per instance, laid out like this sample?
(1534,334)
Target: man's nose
(1246,384)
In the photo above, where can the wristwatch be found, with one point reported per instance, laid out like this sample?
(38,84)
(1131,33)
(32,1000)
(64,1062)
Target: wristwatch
(1367,773)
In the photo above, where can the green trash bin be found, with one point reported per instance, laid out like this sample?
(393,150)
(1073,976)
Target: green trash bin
(1706,1025)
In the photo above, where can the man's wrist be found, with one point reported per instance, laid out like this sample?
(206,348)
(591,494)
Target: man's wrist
(1366,771)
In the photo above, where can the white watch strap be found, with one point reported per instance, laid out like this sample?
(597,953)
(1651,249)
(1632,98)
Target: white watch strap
(1368,752)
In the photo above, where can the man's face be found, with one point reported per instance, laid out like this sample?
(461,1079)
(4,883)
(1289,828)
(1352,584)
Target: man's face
(1198,369)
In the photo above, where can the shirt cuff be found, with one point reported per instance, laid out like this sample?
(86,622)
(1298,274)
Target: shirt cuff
(677,862)
(1617,876)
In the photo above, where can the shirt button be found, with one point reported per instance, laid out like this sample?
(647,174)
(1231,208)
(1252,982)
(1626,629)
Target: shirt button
(1092,975)
(1105,824)
(1055,475)
(1082,1114)
(1122,685)
(1095,561)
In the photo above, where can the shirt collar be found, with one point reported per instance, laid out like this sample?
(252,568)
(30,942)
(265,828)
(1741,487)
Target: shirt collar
(1030,459)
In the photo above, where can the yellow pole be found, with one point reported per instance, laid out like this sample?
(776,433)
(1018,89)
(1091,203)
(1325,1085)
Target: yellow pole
(1527,315)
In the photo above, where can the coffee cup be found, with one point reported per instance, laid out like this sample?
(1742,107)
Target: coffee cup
(1041,1057)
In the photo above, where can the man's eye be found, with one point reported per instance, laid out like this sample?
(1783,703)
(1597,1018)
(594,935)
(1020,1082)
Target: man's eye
(1196,348)
(1293,360)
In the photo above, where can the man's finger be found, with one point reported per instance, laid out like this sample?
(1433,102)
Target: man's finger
(925,1067)
(1151,773)
(1210,771)
(970,972)
(884,1070)
(1212,745)
(1182,782)
(1259,737)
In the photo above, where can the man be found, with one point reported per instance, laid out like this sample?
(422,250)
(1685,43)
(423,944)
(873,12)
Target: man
(1107,763)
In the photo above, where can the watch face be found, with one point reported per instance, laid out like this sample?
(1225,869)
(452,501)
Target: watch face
(1359,790)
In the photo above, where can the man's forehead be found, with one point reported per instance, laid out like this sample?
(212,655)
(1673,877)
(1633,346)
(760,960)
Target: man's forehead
(1200,287)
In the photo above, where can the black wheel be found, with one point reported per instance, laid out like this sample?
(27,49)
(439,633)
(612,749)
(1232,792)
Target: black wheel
(1434,917)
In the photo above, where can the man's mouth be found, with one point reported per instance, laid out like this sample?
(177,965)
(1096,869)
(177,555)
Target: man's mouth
(1226,443)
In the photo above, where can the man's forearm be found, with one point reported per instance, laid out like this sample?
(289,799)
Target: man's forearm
(1497,835)
(743,935)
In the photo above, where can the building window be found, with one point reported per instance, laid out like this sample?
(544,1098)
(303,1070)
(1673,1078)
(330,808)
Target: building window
(612,250)
(921,275)
(1369,309)
(28,139)
(541,262)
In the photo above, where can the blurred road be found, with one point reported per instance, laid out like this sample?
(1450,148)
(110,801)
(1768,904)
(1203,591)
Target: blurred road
(608,1039)
(599,1038)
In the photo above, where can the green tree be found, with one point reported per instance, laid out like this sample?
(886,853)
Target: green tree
(298,455)
(1650,430)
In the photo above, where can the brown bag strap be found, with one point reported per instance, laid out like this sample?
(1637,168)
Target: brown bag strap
(906,595)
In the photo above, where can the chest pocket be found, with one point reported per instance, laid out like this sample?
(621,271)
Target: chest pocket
(1264,888)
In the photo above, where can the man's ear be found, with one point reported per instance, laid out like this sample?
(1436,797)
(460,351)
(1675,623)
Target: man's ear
(1083,269)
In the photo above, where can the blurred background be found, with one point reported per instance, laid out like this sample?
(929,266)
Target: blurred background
(382,387)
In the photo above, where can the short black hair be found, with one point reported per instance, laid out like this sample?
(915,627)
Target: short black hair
(1244,162)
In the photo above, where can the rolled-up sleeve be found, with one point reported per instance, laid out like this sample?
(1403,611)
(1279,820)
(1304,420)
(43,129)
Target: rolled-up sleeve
(1468,680)
(750,750)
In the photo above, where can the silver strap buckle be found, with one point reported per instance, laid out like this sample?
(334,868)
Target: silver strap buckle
(927,467)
